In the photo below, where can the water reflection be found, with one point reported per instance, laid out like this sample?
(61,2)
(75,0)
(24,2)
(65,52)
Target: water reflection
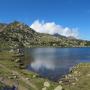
(51,62)
(55,62)
(40,64)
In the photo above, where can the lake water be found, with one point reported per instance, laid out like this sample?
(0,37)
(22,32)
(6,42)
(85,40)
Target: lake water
(52,63)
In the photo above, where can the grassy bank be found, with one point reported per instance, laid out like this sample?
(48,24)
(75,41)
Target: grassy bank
(10,74)
(78,79)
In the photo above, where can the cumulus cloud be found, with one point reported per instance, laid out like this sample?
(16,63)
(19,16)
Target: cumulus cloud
(53,28)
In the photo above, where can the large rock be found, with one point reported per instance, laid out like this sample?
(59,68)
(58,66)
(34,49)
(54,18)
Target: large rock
(44,88)
(46,84)
(59,88)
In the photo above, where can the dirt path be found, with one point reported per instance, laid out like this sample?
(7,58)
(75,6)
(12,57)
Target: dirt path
(20,77)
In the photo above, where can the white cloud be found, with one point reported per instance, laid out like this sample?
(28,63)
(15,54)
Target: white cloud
(52,28)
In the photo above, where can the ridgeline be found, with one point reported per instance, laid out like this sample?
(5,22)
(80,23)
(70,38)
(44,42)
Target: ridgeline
(18,34)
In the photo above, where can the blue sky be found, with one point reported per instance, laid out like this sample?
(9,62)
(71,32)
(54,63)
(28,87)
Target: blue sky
(68,13)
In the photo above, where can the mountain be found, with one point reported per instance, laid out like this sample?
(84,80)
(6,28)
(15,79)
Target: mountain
(58,35)
(71,37)
(17,34)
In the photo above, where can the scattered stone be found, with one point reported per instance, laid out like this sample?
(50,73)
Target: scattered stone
(17,60)
(69,75)
(88,75)
(66,77)
(34,76)
(13,74)
(11,51)
(46,84)
(75,72)
(15,77)
(73,83)
(27,78)
(60,82)
(76,79)
(1,78)
(58,88)
(44,88)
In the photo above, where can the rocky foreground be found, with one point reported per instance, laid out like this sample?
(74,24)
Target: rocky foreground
(78,78)
(14,76)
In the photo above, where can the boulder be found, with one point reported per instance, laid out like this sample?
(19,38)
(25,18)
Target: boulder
(46,84)
(59,88)
(44,88)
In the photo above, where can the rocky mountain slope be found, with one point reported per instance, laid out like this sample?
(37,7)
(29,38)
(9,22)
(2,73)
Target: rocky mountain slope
(17,34)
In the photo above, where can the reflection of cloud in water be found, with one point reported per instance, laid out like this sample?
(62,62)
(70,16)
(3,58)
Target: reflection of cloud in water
(38,64)
(43,59)
(55,62)
(50,64)
(51,59)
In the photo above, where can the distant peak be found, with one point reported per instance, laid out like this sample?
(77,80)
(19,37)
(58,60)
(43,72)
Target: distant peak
(56,34)
(16,23)
(71,37)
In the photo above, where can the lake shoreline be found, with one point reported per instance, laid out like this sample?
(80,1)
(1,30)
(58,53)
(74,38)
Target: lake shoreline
(70,80)
(11,73)
(78,78)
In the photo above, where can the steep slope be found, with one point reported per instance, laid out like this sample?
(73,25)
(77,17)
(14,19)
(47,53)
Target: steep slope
(17,33)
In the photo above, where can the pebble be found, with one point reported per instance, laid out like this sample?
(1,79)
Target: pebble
(34,76)
(60,82)
(73,83)
(46,84)
(58,88)
(76,72)
(88,75)
(27,78)
(44,88)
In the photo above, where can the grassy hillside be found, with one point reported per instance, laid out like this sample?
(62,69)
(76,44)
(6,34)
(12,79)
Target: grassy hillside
(78,79)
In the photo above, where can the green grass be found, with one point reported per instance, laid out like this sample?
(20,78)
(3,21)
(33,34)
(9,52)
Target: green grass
(81,72)
(9,66)
(83,76)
